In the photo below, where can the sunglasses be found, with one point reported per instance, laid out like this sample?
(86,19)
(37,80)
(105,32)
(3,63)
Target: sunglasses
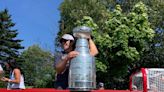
(63,40)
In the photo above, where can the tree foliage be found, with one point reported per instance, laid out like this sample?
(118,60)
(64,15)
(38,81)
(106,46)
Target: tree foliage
(155,9)
(153,57)
(38,67)
(9,44)
(73,10)
(125,38)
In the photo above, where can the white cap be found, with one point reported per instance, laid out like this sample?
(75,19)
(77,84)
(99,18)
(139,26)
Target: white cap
(101,84)
(67,37)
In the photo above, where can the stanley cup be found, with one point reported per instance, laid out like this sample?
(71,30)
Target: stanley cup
(82,75)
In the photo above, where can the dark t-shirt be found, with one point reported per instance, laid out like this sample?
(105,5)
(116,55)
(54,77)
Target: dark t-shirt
(61,79)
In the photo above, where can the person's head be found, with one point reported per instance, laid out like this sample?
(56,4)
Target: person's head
(12,64)
(67,42)
(134,87)
(101,85)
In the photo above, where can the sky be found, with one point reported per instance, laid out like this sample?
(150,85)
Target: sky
(36,21)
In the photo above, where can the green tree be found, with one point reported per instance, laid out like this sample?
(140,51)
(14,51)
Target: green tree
(155,9)
(125,38)
(73,10)
(38,67)
(154,56)
(9,44)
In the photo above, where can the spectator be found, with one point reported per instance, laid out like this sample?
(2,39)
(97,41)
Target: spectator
(101,86)
(16,80)
(1,70)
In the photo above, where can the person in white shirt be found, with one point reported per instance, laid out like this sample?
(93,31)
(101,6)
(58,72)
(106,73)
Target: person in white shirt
(16,80)
(1,69)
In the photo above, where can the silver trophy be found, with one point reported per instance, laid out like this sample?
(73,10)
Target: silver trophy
(82,74)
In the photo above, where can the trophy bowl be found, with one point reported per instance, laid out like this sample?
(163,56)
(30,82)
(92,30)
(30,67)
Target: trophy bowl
(82,32)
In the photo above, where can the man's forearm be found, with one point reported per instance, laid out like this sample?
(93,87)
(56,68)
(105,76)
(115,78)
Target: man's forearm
(60,67)
(93,48)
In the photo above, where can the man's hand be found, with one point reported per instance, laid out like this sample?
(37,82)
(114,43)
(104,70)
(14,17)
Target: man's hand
(61,65)
(72,54)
